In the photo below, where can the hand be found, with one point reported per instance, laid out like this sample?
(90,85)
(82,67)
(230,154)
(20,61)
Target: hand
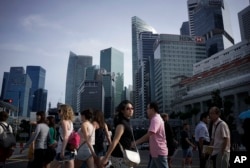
(62,155)
(103,162)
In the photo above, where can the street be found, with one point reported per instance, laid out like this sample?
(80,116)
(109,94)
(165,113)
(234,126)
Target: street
(20,160)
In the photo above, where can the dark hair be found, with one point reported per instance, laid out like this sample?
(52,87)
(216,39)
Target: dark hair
(154,105)
(88,113)
(119,115)
(42,115)
(99,118)
(203,115)
(4,116)
(51,121)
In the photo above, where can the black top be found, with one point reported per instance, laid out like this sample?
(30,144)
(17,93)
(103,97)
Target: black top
(99,139)
(184,143)
(169,134)
(126,138)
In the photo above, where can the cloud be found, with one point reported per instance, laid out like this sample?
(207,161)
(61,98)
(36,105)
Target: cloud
(37,21)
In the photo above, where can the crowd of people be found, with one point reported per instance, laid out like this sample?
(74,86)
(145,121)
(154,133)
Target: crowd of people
(99,147)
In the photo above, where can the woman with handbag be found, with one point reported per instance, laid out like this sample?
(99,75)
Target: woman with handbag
(123,136)
(87,133)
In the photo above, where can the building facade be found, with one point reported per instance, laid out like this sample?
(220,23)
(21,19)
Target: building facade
(244,22)
(77,65)
(174,56)
(112,66)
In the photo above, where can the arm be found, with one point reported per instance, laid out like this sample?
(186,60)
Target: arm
(144,138)
(107,134)
(118,133)
(84,130)
(65,137)
(33,137)
(189,142)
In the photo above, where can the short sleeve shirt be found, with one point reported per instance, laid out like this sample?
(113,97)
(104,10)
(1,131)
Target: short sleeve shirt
(157,141)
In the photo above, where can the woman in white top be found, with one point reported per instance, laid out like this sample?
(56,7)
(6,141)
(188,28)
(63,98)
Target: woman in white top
(66,115)
(87,132)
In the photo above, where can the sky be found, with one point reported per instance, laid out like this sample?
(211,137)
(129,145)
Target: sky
(43,32)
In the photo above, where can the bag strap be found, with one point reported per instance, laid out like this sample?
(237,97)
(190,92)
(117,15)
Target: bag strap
(122,149)
(217,126)
(5,128)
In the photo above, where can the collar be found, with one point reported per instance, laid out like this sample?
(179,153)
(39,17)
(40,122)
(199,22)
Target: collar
(215,123)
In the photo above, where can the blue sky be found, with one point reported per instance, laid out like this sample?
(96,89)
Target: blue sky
(43,32)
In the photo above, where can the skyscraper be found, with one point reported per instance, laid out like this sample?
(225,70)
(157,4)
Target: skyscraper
(211,19)
(37,75)
(145,84)
(138,26)
(244,21)
(112,64)
(77,65)
(17,88)
(174,56)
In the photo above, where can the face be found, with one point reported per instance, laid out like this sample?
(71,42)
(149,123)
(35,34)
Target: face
(83,118)
(128,111)
(150,112)
(38,117)
(212,114)
(59,112)
(206,120)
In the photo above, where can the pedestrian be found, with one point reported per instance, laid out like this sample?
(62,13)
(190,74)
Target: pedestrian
(186,146)
(66,115)
(5,152)
(123,135)
(220,139)
(86,151)
(51,150)
(101,132)
(170,137)
(156,137)
(202,138)
(40,138)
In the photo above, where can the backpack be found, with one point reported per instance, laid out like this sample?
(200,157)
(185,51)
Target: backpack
(73,141)
(7,138)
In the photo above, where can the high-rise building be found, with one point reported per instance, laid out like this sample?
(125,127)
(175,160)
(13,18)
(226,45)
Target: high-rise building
(37,75)
(91,91)
(112,66)
(184,30)
(174,56)
(211,19)
(17,87)
(138,26)
(244,21)
(77,65)
(145,84)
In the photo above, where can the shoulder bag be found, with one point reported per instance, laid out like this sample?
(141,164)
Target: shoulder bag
(131,158)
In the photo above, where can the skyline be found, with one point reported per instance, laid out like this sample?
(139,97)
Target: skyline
(42,33)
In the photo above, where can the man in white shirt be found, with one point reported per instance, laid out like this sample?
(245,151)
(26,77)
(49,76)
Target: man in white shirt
(202,137)
(220,139)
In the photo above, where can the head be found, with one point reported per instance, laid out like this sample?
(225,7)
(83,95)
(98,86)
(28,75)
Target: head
(204,117)
(125,109)
(99,118)
(165,116)
(51,121)
(214,113)
(66,112)
(87,115)
(4,116)
(152,109)
(186,126)
(40,117)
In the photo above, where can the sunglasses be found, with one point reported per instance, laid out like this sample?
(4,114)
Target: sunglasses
(129,108)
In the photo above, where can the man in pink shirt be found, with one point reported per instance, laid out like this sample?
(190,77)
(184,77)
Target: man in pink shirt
(157,139)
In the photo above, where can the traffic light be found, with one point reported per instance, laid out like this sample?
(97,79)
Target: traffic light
(8,100)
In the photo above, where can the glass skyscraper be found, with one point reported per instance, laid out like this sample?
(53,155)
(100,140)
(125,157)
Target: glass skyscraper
(112,66)
(211,19)
(77,65)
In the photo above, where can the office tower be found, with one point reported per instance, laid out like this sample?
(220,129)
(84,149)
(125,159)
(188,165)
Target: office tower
(174,56)
(17,88)
(146,79)
(4,84)
(77,65)
(112,66)
(38,95)
(91,91)
(138,26)
(211,19)
(244,21)
(185,29)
